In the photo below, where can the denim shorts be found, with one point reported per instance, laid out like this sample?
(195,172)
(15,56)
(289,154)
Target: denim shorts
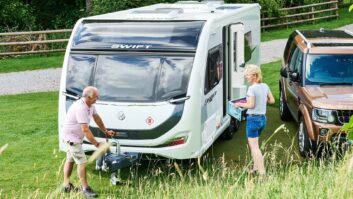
(254,125)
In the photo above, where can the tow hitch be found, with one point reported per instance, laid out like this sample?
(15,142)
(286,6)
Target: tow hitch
(113,162)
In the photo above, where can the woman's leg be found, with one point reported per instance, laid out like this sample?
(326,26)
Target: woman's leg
(257,155)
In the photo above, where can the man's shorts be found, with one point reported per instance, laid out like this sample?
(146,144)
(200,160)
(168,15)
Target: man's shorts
(75,153)
(255,124)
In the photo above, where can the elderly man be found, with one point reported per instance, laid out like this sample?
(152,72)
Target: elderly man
(76,126)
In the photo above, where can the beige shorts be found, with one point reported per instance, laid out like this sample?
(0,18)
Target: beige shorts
(75,153)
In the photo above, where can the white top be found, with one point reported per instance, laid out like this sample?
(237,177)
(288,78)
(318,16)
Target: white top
(259,91)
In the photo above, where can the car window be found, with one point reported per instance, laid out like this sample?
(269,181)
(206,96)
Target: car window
(298,63)
(332,69)
(293,61)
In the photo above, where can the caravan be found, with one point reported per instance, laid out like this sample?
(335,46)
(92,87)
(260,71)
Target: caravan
(165,73)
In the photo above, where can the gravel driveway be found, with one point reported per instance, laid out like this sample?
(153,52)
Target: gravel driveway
(49,79)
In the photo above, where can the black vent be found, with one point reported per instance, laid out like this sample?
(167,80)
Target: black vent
(344,115)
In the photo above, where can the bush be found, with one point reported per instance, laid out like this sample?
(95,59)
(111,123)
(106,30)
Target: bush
(105,6)
(15,16)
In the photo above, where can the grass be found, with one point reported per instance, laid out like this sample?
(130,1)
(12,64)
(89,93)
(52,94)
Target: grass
(345,18)
(31,165)
(31,62)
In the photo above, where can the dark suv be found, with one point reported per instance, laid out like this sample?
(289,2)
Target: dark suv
(316,85)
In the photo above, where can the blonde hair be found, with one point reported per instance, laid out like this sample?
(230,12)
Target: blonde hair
(254,70)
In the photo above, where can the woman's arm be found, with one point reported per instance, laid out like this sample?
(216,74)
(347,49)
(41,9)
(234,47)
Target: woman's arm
(250,103)
(270,98)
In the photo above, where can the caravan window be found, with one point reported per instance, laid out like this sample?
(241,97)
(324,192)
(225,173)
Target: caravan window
(214,68)
(131,77)
(79,72)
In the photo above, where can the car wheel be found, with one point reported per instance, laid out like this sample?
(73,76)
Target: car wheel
(305,144)
(283,108)
(229,132)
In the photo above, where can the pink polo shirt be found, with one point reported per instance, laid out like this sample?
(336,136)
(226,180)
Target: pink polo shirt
(78,113)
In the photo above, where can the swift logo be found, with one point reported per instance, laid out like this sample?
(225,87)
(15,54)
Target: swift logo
(131,46)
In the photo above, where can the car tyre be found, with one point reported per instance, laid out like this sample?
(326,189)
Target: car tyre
(283,108)
(306,146)
(232,128)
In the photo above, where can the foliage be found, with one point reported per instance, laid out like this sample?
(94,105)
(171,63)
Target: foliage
(105,6)
(56,14)
(348,127)
(15,15)
(350,8)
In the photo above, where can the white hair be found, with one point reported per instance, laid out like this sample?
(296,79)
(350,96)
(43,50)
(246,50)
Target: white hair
(89,91)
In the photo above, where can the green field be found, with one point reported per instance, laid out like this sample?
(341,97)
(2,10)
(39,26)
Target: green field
(31,165)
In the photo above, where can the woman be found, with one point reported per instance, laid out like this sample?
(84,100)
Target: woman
(258,95)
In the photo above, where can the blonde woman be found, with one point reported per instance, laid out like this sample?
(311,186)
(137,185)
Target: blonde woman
(258,95)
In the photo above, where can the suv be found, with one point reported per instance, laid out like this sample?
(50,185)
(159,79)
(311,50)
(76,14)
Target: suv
(316,85)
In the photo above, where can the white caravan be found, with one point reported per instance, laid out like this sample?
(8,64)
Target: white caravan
(165,73)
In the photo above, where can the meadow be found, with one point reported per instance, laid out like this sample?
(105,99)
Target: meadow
(31,165)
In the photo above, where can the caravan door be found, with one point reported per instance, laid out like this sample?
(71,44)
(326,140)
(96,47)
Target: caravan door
(236,61)
(212,109)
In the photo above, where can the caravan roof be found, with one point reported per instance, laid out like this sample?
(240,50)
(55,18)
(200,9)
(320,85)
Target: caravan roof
(177,11)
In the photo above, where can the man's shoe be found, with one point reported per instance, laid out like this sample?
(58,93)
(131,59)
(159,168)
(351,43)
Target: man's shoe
(88,192)
(70,187)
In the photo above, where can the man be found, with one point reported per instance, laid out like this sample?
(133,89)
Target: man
(76,126)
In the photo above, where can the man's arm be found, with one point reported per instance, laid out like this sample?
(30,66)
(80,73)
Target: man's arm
(89,135)
(98,120)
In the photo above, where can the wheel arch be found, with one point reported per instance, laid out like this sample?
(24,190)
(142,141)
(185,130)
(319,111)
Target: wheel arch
(303,112)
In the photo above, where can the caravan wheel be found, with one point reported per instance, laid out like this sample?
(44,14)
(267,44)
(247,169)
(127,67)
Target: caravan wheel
(229,132)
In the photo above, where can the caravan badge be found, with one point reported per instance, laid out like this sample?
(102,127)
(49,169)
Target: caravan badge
(121,115)
(131,46)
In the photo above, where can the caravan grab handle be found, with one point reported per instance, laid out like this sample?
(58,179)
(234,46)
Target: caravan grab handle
(178,100)
(71,96)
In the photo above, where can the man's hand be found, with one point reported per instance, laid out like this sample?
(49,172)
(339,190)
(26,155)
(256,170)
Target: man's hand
(110,133)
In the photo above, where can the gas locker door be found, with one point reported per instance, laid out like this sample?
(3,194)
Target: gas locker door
(237,88)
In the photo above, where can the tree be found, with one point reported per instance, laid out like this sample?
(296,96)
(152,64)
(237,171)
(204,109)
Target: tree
(15,15)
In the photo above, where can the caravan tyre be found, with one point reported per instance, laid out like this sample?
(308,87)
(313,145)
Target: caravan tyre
(232,128)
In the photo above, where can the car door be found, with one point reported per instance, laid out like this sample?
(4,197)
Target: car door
(292,83)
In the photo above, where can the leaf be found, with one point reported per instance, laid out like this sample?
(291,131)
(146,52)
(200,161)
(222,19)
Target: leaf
(350,8)
(2,149)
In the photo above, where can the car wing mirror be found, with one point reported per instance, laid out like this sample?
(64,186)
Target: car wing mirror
(293,76)
(284,72)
